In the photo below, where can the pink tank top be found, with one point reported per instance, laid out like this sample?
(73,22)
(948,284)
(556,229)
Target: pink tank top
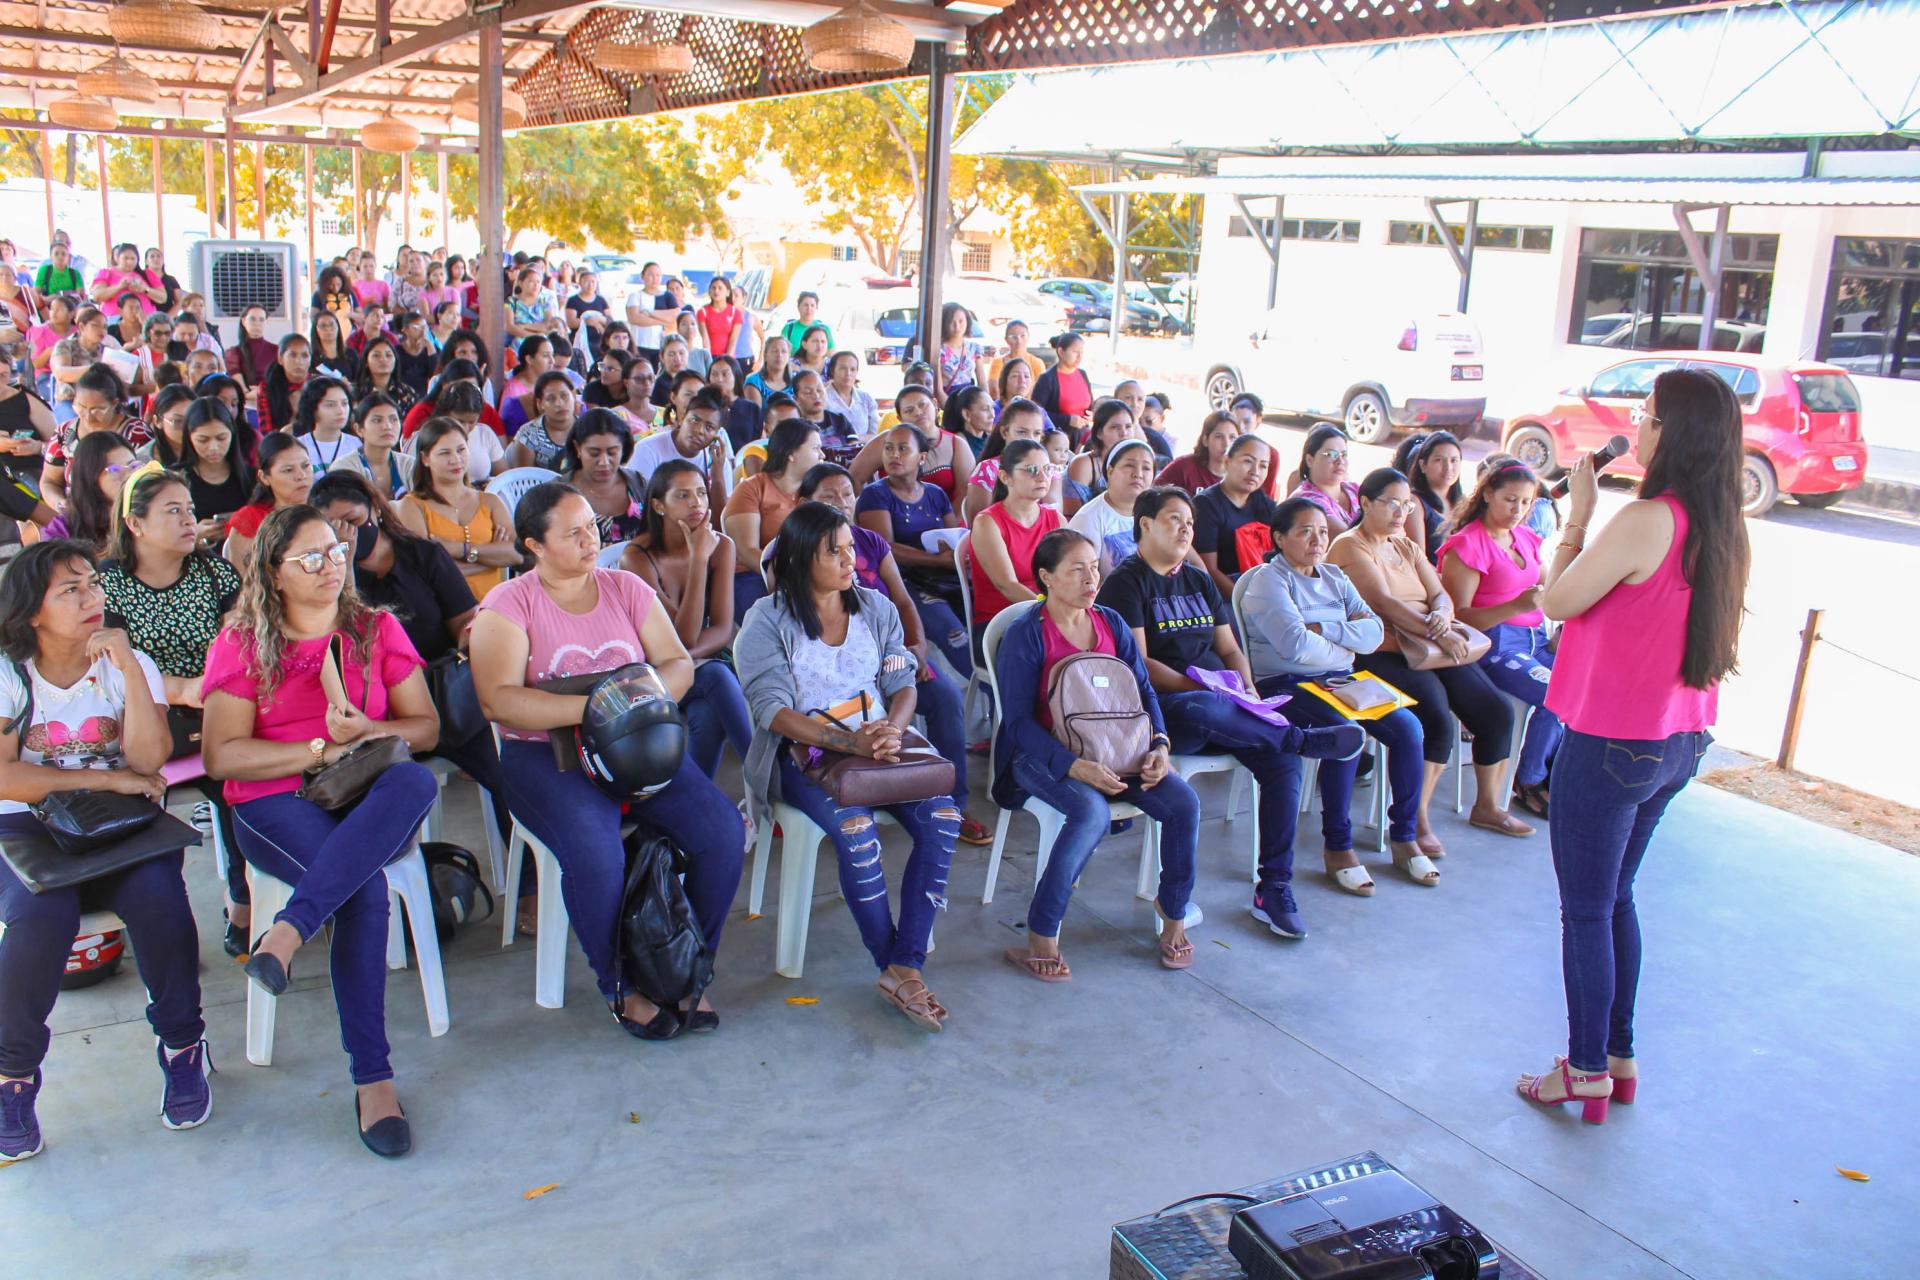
(1055,646)
(1618,670)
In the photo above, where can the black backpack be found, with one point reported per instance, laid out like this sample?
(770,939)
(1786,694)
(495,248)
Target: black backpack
(663,955)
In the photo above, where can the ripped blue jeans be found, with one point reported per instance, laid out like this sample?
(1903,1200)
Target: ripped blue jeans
(933,825)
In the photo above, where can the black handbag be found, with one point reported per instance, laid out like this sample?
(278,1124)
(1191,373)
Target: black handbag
(337,785)
(450,685)
(82,821)
(38,862)
(184,724)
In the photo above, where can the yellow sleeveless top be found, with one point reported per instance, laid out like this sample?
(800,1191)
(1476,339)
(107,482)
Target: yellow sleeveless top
(479,532)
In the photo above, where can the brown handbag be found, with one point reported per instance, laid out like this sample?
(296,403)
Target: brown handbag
(337,785)
(852,781)
(1423,654)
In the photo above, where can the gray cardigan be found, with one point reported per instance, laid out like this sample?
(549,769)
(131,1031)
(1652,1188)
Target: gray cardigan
(1279,603)
(763,655)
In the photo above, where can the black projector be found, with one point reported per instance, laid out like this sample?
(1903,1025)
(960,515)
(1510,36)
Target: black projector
(1375,1227)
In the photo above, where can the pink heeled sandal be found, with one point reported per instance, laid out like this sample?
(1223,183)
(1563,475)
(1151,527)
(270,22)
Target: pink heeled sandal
(1593,1108)
(1624,1088)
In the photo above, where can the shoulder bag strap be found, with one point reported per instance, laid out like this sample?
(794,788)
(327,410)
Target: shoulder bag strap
(25,718)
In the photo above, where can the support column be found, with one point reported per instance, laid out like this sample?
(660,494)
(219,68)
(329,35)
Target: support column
(1269,241)
(233,185)
(313,263)
(406,199)
(446,204)
(206,177)
(359,229)
(935,206)
(260,189)
(46,180)
(106,212)
(1117,326)
(159,206)
(492,205)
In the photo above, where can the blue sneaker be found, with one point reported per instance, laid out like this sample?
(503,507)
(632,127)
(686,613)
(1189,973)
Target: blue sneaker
(188,1099)
(19,1127)
(1274,907)
(1337,742)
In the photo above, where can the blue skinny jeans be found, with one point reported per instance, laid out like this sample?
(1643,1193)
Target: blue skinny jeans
(933,826)
(717,716)
(1202,723)
(1608,797)
(938,700)
(1406,772)
(1520,664)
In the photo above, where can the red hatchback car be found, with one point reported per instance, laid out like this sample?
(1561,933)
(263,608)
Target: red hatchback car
(1802,423)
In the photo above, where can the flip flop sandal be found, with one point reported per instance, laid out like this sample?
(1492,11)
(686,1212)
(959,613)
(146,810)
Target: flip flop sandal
(919,1005)
(1029,964)
(972,831)
(1173,955)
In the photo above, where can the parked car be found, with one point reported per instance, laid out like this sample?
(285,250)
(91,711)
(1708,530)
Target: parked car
(995,302)
(1801,421)
(1090,306)
(879,324)
(1371,374)
(1673,333)
(1871,353)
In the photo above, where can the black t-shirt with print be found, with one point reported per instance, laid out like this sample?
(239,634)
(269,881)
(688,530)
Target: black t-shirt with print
(1178,611)
(176,626)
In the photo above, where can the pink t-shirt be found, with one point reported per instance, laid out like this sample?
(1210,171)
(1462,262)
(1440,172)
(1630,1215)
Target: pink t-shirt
(140,280)
(1617,674)
(297,710)
(43,338)
(365,291)
(574,644)
(1501,579)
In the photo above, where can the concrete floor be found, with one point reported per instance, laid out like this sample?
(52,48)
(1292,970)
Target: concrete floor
(835,1139)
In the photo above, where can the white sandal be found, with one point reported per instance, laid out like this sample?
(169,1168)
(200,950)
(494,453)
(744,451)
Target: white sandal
(1353,880)
(1418,866)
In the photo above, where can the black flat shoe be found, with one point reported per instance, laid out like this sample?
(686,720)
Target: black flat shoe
(703,1020)
(265,970)
(1532,797)
(235,941)
(389,1139)
(664,1025)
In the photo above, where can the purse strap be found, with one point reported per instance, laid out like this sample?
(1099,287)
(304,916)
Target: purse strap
(25,718)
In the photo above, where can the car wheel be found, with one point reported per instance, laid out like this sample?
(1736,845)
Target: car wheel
(1222,386)
(1759,490)
(1367,419)
(1533,446)
(1819,501)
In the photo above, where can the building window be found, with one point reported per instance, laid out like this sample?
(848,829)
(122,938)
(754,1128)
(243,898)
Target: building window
(1331,230)
(976,256)
(1525,239)
(1637,290)
(909,260)
(1872,322)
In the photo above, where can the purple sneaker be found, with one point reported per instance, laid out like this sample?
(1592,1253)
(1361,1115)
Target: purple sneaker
(1274,907)
(19,1127)
(188,1098)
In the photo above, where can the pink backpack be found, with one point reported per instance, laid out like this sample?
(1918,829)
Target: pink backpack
(1097,712)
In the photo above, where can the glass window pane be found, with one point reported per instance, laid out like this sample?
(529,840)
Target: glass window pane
(1536,239)
(1496,237)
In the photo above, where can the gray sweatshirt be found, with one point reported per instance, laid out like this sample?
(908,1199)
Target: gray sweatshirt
(1278,603)
(763,655)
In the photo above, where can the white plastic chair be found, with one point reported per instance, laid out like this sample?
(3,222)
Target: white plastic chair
(433,827)
(406,880)
(512,485)
(800,839)
(1190,767)
(1051,820)
(1522,715)
(963,566)
(551,926)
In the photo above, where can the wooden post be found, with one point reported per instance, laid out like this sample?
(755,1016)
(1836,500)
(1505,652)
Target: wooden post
(159,206)
(490,268)
(406,198)
(106,213)
(46,178)
(446,206)
(233,185)
(935,205)
(260,189)
(359,231)
(206,167)
(1797,702)
(313,265)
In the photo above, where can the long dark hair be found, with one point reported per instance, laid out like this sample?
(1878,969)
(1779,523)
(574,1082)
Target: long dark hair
(1698,463)
(90,512)
(785,438)
(311,395)
(431,433)
(1053,549)
(164,399)
(272,445)
(1151,502)
(351,486)
(953,417)
(1411,459)
(454,340)
(279,390)
(594,422)
(1013,455)
(997,438)
(1316,440)
(1474,506)
(249,368)
(239,439)
(363,376)
(801,533)
(658,484)
(23,589)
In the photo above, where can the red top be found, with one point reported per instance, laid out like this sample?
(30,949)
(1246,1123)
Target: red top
(247,520)
(1076,393)
(1184,473)
(721,325)
(418,415)
(1054,647)
(1618,670)
(1021,542)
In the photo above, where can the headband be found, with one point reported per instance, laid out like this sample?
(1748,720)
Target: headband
(148,468)
(1128,443)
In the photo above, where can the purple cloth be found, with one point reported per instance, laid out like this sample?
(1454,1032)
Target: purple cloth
(1227,684)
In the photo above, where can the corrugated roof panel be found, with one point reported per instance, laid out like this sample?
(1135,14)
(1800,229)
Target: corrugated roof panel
(1596,189)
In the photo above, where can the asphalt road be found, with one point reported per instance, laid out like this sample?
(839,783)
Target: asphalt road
(1858,564)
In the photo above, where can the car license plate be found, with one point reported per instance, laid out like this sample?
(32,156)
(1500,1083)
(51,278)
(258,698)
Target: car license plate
(1845,463)
(1466,373)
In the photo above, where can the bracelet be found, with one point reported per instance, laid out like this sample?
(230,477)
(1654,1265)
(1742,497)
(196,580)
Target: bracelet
(1160,740)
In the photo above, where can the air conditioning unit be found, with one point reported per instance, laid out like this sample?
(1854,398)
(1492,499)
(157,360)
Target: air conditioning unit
(236,274)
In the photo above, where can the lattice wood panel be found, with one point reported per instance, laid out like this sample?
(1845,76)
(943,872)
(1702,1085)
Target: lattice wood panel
(733,61)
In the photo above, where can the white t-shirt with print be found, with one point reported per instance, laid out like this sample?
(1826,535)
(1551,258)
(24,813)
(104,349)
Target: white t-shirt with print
(77,728)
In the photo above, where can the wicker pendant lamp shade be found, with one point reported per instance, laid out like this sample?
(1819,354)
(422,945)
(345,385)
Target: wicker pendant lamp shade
(167,23)
(390,135)
(513,105)
(90,115)
(858,38)
(117,78)
(645,59)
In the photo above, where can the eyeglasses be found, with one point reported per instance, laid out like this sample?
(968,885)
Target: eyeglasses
(1639,417)
(1399,506)
(314,561)
(1333,455)
(95,410)
(1039,470)
(115,468)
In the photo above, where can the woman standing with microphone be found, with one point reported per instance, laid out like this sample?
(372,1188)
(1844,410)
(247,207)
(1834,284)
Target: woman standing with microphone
(1652,613)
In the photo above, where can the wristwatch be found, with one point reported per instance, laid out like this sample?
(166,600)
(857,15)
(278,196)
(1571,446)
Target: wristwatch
(473,554)
(319,748)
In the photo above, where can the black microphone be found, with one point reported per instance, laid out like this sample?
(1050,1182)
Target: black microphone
(1601,457)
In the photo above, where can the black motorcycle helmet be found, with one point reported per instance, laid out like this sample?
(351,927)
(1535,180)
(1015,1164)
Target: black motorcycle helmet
(633,736)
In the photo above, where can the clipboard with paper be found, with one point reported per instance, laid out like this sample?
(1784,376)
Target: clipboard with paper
(1364,686)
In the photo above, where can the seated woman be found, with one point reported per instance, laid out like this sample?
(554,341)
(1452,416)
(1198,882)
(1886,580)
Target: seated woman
(541,441)
(1107,520)
(821,643)
(845,397)
(167,419)
(1392,575)
(608,389)
(1233,520)
(946,463)
(638,408)
(697,435)
(1306,622)
(101,464)
(521,401)
(739,416)
(1322,478)
(377,460)
(775,371)
(1031,761)
(940,699)
(320,422)
(219,478)
(1491,567)
(1019,420)
(453,373)
(753,455)
(598,450)
(380,373)
(901,507)
(968,414)
(689,564)
(566,617)
(85,711)
(442,504)
(274,708)
(1007,533)
(486,454)
(286,378)
(283,480)
(1179,621)
(809,392)
(1087,473)
(1431,464)
(169,596)
(763,500)
(1206,466)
